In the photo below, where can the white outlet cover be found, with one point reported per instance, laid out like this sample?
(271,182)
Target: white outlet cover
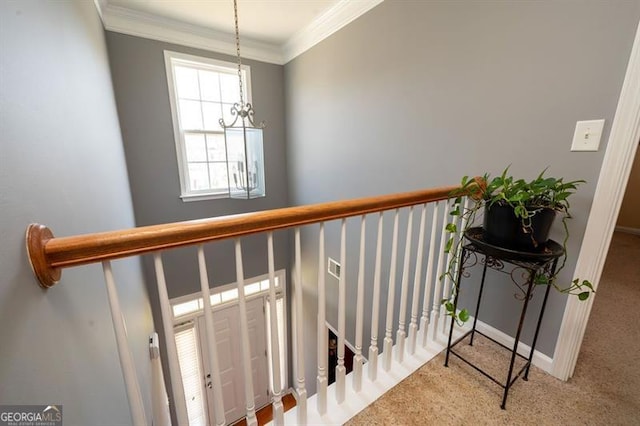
(587,135)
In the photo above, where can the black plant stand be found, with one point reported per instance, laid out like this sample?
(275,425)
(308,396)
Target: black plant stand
(526,265)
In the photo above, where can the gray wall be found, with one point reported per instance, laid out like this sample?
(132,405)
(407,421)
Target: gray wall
(62,164)
(142,96)
(417,94)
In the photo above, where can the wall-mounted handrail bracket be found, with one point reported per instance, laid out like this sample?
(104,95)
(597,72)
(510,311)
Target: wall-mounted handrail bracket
(37,237)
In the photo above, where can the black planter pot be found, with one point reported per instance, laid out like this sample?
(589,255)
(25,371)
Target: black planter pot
(503,229)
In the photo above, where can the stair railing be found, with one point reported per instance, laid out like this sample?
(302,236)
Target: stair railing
(49,255)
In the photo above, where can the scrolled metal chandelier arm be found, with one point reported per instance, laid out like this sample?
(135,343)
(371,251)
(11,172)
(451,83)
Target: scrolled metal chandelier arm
(242,111)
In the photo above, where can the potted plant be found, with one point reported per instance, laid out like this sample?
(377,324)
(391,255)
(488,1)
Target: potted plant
(518,215)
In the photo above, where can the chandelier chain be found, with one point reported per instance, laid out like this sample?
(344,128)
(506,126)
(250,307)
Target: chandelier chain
(235,13)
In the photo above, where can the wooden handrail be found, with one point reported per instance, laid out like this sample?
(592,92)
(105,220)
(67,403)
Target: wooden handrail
(48,255)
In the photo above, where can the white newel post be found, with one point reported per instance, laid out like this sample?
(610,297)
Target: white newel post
(358,359)
(404,291)
(244,339)
(170,341)
(278,408)
(388,341)
(322,329)
(126,359)
(415,299)
(375,309)
(210,338)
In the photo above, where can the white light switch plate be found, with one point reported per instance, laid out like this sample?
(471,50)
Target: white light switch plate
(587,135)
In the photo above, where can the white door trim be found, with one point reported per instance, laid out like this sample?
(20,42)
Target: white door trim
(614,174)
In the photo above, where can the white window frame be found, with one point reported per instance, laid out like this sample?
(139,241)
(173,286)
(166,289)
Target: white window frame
(200,62)
(226,300)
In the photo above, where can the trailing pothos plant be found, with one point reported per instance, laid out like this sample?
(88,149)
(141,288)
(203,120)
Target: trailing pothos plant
(526,199)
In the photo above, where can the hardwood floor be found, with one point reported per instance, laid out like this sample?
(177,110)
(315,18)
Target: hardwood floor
(265,414)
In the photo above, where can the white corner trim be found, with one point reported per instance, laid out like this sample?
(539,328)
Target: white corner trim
(628,230)
(614,174)
(338,16)
(127,21)
(539,359)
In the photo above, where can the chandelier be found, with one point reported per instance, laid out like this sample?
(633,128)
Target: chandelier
(243,141)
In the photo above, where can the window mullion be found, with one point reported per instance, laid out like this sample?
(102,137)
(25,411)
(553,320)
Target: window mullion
(206,147)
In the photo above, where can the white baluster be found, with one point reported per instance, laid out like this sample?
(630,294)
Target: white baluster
(415,299)
(278,408)
(428,279)
(437,295)
(401,334)
(375,310)
(358,359)
(448,282)
(388,341)
(322,329)
(340,368)
(300,385)
(179,400)
(126,359)
(244,339)
(210,338)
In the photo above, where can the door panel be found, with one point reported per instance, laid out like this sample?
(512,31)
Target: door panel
(229,347)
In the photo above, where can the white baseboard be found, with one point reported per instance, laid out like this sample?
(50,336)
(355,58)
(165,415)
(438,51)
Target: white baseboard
(628,230)
(540,360)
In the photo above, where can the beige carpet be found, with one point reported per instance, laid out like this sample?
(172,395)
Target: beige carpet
(605,389)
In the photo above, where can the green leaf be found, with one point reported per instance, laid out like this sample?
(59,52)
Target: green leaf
(463,315)
(449,306)
(584,295)
(587,284)
(451,227)
(455,212)
(541,279)
(447,248)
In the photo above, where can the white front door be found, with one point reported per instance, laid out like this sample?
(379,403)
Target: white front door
(228,341)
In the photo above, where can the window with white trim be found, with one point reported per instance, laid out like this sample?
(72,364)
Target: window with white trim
(201,91)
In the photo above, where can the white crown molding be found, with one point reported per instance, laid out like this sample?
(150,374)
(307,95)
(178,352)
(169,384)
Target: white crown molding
(140,24)
(341,14)
(100,5)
